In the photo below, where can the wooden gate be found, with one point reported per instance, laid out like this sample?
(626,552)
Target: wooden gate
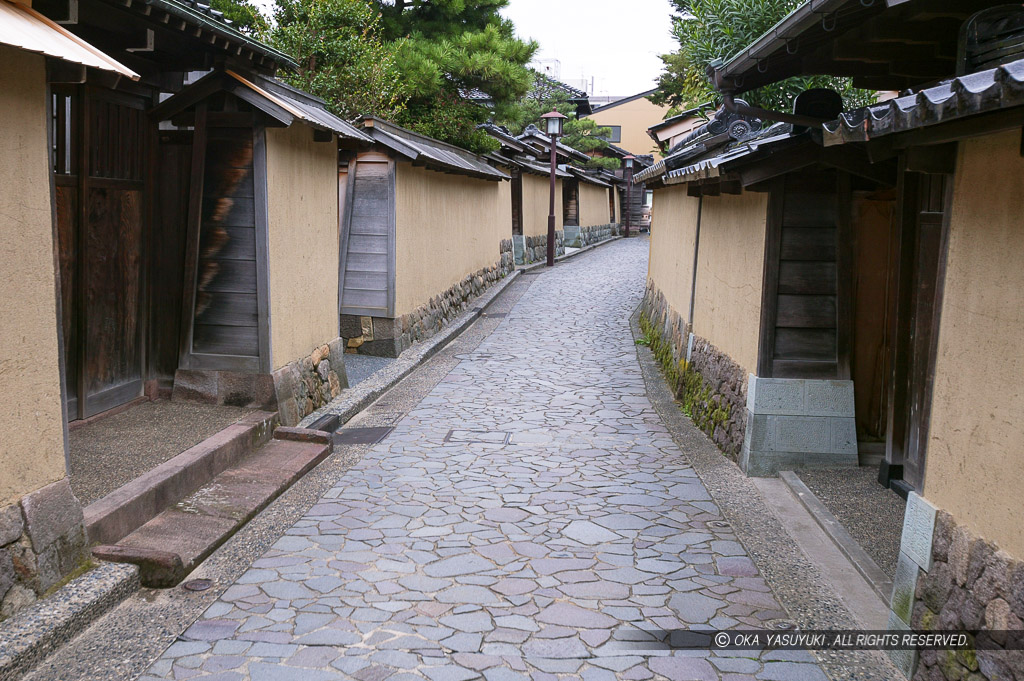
(99,163)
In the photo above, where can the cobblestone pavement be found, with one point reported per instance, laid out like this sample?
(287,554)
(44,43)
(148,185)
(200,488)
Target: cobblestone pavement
(531,518)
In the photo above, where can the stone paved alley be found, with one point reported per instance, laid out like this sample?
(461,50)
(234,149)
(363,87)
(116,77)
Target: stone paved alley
(525,520)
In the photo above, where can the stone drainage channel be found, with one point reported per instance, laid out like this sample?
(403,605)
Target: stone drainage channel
(528,517)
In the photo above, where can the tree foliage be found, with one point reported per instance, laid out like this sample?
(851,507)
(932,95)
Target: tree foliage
(244,15)
(718,29)
(342,56)
(448,48)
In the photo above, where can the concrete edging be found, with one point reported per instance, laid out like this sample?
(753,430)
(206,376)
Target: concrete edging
(32,634)
(867,567)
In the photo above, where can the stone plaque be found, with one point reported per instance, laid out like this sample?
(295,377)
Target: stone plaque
(918,528)
(904,660)
(904,585)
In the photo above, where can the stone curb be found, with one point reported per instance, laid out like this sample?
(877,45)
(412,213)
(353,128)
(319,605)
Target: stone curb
(867,568)
(37,631)
(354,400)
(564,256)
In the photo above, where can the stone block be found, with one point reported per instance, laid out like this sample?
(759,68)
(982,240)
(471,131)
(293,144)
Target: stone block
(801,434)
(7,574)
(844,435)
(384,328)
(350,326)
(904,588)
(52,513)
(775,395)
(246,390)
(11,524)
(758,436)
(828,398)
(197,386)
(904,660)
(918,529)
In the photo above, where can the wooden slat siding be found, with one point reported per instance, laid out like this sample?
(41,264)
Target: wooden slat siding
(804,342)
(225,340)
(806,312)
(369,256)
(226,316)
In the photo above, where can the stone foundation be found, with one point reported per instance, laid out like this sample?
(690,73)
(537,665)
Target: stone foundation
(305,385)
(712,387)
(230,388)
(948,578)
(795,423)
(597,233)
(384,337)
(42,540)
(531,249)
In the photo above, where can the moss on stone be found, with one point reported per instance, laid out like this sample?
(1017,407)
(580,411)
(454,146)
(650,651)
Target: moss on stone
(697,397)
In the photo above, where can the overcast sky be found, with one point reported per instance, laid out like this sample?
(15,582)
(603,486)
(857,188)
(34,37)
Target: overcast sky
(617,42)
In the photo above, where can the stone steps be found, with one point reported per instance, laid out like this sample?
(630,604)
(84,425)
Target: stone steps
(132,505)
(171,544)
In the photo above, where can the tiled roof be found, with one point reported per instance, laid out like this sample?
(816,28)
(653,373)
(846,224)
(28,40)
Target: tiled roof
(429,152)
(985,91)
(311,110)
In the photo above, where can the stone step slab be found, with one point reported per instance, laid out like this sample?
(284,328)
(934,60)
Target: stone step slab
(170,545)
(130,506)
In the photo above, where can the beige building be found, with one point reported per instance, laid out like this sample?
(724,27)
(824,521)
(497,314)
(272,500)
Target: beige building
(629,118)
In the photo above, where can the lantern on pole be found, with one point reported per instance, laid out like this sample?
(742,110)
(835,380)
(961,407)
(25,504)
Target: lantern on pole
(553,122)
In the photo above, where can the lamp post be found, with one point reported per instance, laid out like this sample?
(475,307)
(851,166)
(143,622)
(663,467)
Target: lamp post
(553,125)
(628,159)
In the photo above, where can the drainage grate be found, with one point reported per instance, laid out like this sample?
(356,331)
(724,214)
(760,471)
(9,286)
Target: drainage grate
(362,436)
(490,437)
(327,423)
(495,314)
(484,357)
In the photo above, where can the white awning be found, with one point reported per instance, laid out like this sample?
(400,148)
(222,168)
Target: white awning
(23,27)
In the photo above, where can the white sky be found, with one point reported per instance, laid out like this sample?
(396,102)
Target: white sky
(617,42)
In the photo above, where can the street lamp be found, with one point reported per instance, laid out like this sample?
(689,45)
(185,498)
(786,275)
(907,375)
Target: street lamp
(553,125)
(628,159)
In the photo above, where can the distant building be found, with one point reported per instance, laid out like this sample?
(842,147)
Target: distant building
(629,118)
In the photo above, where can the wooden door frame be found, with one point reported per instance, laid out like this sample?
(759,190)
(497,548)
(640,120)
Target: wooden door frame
(901,392)
(116,395)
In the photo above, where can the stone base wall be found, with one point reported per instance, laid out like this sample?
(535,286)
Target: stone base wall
(597,233)
(384,337)
(305,385)
(42,540)
(712,387)
(536,248)
(795,423)
(231,388)
(948,578)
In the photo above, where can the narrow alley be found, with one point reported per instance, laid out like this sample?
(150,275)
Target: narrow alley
(530,517)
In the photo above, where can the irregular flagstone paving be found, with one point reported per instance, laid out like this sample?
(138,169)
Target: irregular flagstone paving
(531,518)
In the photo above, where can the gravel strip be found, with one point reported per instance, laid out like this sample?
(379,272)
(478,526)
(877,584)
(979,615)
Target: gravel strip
(115,450)
(872,514)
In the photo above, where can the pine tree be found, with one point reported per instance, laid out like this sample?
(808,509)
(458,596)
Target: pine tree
(447,49)
(342,56)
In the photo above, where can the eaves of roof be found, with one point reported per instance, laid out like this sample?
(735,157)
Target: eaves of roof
(624,100)
(429,152)
(204,16)
(976,93)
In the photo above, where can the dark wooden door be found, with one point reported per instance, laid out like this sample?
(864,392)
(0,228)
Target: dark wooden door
(931,198)
(99,217)
(517,201)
